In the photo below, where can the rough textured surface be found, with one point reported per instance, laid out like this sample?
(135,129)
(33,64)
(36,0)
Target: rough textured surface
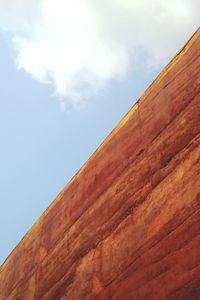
(127,226)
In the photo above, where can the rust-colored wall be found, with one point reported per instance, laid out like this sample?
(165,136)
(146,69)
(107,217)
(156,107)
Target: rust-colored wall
(127,226)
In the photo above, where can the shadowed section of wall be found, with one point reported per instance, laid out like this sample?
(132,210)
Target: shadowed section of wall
(127,226)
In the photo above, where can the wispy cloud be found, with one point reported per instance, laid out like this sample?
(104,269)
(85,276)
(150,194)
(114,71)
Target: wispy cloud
(78,46)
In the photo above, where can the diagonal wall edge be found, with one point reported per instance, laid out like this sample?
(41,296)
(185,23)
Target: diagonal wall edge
(127,224)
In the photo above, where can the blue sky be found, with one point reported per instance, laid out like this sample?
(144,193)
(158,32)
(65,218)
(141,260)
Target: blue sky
(54,115)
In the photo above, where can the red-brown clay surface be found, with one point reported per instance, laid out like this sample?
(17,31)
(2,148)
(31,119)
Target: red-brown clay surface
(127,226)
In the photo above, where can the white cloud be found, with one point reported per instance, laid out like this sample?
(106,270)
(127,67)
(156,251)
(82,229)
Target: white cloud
(78,46)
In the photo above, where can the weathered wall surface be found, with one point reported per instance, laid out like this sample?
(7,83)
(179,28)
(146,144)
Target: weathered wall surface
(127,226)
